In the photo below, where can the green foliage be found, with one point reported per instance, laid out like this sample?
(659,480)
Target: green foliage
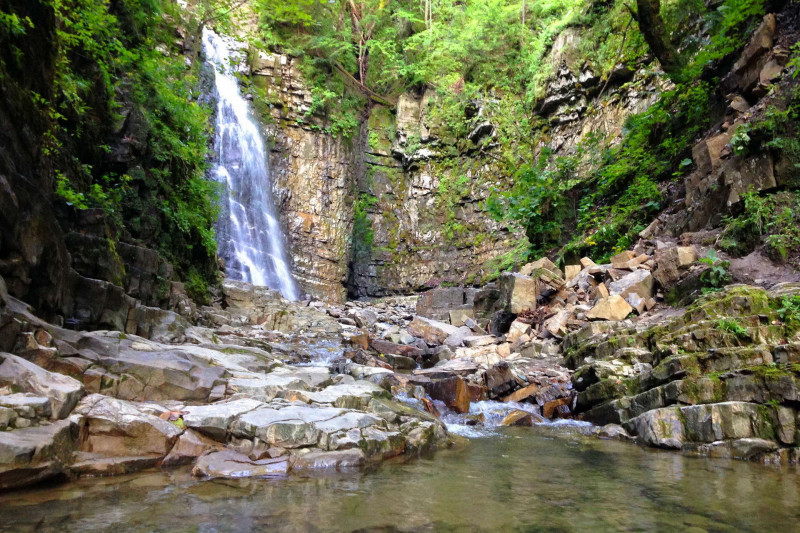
(65,191)
(363,234)
(197,286)
(770,219)
(731,325)
(538,201)
(789,311)
(716,275)
(728,25)
(119,80)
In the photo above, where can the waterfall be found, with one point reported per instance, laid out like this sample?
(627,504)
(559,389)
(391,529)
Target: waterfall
(250,238)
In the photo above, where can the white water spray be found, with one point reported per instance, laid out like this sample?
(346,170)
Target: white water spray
(250,238)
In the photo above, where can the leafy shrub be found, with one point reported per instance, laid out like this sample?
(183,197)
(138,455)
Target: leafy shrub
(717,275)
(730,325)
(789,311)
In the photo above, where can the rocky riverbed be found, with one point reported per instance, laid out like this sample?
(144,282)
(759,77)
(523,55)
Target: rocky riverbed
(264,386)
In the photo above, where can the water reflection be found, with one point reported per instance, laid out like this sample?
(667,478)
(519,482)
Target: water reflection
(540,479)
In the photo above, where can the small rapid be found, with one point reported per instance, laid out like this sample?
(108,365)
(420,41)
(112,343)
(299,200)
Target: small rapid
(248,232)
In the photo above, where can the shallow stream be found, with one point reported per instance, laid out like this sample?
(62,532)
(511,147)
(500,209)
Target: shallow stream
(546,478)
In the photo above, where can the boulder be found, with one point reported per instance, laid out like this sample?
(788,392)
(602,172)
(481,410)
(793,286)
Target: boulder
(363,318)
(189,446)
(556,325)
(229,463)
(517,329)
(621,260)
(215,419)
(745,73)
(453,391)
(394,412)
(555,407)
(31,455)
(662,428)
(438,303)
(431,331)
(543,263)
(520,418)
(476,341)
(706,153)
(638,282)
(487,301)
(751,173)
(500,380)
(570,271)
(752,448)
(612,308)
(118,428)
(62,391)
(461,316)
(518,292)
(156,324)
(671,262)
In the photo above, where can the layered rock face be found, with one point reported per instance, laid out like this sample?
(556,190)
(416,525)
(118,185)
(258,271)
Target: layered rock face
(422,198)
(721,177)
(313,175)
(68,263)
(720,379)
(400,206)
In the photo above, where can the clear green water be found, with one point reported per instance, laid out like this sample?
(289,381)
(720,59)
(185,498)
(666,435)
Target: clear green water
(520,479)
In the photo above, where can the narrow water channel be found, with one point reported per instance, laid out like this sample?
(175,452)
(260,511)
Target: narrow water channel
(548,478)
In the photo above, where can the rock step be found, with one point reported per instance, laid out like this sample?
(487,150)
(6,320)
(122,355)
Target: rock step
(603,382)
(676,427)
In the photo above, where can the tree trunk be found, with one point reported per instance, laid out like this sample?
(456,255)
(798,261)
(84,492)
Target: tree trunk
(652,27)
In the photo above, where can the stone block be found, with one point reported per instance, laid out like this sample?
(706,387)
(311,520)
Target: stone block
(612,308)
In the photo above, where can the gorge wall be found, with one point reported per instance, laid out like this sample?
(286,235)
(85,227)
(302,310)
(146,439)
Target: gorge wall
(400,206)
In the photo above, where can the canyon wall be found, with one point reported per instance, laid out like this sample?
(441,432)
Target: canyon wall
(400,206)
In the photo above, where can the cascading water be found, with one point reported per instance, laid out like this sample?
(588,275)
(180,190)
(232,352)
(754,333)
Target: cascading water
(249,235)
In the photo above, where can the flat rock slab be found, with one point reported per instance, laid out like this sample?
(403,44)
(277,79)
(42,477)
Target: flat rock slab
(268,386)
(336,460)
(215,419)
(62,391)
(453,367)
(32,454)
(88,464)
(347,396)
(164,372)
(364,372)
(297,426)
(27,405)
(228,463)
(431,331)
(313,376)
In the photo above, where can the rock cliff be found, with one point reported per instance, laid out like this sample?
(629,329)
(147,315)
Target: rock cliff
(400,207)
